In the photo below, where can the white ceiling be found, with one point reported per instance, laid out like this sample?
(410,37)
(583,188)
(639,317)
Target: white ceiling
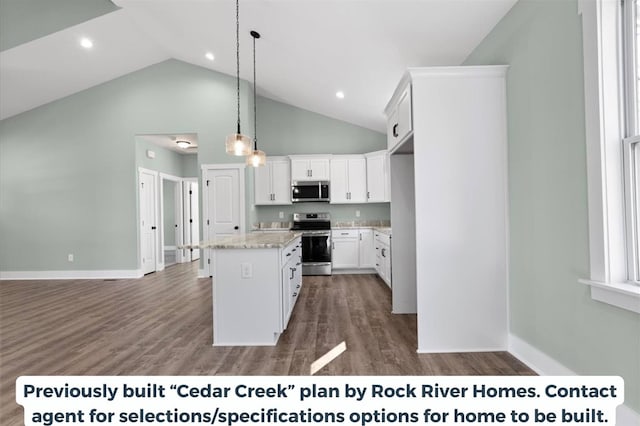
(309,48)
(169,141)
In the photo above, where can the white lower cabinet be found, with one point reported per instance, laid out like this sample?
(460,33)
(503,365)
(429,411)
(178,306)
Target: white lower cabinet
(367,255)
(382,244)
(291,280)
(344,249)
(352,249)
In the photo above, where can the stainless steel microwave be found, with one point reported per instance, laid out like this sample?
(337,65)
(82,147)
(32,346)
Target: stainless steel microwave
(313,190)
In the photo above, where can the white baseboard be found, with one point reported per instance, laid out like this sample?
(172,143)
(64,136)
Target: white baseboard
(71,275)
(544,365)
(202,274)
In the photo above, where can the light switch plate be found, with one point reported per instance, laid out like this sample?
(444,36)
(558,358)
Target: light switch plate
(281,215)
(357,213)
(246,270)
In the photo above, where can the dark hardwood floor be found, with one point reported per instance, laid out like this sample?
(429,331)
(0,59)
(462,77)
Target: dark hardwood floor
(161,325)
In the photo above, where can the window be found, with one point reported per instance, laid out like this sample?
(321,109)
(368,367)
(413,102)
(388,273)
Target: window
(631,144)
(613,149)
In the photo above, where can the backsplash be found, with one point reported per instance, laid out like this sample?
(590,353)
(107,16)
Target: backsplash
(339,212)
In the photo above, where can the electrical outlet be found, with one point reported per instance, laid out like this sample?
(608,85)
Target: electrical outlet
(357,213)
(246,270)
(281,215)
(70,257)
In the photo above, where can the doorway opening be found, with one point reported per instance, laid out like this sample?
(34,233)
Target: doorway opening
(169,199)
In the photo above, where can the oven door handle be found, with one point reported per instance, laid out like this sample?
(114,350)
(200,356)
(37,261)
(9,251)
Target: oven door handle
(316,233)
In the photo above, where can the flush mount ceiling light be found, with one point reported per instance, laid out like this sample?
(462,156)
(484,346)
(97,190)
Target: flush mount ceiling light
(257,158)
(86,43)
(237,143)
(209,56)
(183,144)
(340,94)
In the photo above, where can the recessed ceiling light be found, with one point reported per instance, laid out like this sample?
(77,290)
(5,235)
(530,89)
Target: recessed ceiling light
(340,95)
(86,43)
(210,56)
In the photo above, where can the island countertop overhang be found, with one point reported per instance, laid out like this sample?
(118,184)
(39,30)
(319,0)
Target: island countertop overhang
(256,240)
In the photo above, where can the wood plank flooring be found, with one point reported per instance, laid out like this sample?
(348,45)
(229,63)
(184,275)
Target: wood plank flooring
(162,325)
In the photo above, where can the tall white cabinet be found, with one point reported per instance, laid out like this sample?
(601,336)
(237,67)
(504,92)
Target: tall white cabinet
(448,170)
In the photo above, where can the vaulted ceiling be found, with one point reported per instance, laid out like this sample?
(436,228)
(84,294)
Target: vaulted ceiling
(309,49)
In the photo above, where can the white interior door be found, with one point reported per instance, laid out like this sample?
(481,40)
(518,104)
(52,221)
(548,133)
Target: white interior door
(194,218)
(224,195)
(148,231)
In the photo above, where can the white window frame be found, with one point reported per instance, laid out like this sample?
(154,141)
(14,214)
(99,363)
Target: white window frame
(604,120)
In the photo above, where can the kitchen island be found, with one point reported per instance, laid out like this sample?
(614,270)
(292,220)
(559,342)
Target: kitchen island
(256,281)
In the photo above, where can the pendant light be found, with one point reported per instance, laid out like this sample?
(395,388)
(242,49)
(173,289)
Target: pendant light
(257,158)
(237,143)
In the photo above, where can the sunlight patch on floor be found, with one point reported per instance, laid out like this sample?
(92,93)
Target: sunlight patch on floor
(325,359)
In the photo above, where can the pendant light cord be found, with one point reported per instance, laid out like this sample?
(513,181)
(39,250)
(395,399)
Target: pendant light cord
(238,59)
(255,88)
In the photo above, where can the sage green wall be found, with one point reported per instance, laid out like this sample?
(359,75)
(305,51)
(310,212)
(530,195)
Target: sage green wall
(549,247)
(190,165)
(25,20)
(284,129)
(68,168)
(165,160)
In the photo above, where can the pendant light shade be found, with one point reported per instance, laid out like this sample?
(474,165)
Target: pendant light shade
(257,158)
(237,143)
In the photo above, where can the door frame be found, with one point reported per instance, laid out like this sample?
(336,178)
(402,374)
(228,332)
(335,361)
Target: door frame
(178,214)
(185,223)
(206,169)
(159,260)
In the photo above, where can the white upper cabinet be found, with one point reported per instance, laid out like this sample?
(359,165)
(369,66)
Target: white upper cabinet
(378,190)
(399,122)
(348,179)
(305,167)
(272,182)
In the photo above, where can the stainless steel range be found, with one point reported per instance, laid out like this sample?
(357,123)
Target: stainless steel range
(316,242)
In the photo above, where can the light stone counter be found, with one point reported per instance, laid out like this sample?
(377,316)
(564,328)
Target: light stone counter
(256,240)
(381,226)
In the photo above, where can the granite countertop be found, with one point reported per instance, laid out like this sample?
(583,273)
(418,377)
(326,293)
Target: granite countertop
(252,240)
(377,225)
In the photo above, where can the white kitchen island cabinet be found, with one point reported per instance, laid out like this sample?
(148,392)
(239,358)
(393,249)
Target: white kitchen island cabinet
(257,279)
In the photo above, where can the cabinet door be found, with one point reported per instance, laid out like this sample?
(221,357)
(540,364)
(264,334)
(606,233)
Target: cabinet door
(392,129)
(339,181)
(376,177)
(300,169)
(357,183)
(319,168)
(385,253)
(262,185)
(280,182)
(366,250)
(404,114)
(345,253)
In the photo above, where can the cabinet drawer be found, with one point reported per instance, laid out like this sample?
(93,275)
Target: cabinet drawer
(344,233)
(293,250)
